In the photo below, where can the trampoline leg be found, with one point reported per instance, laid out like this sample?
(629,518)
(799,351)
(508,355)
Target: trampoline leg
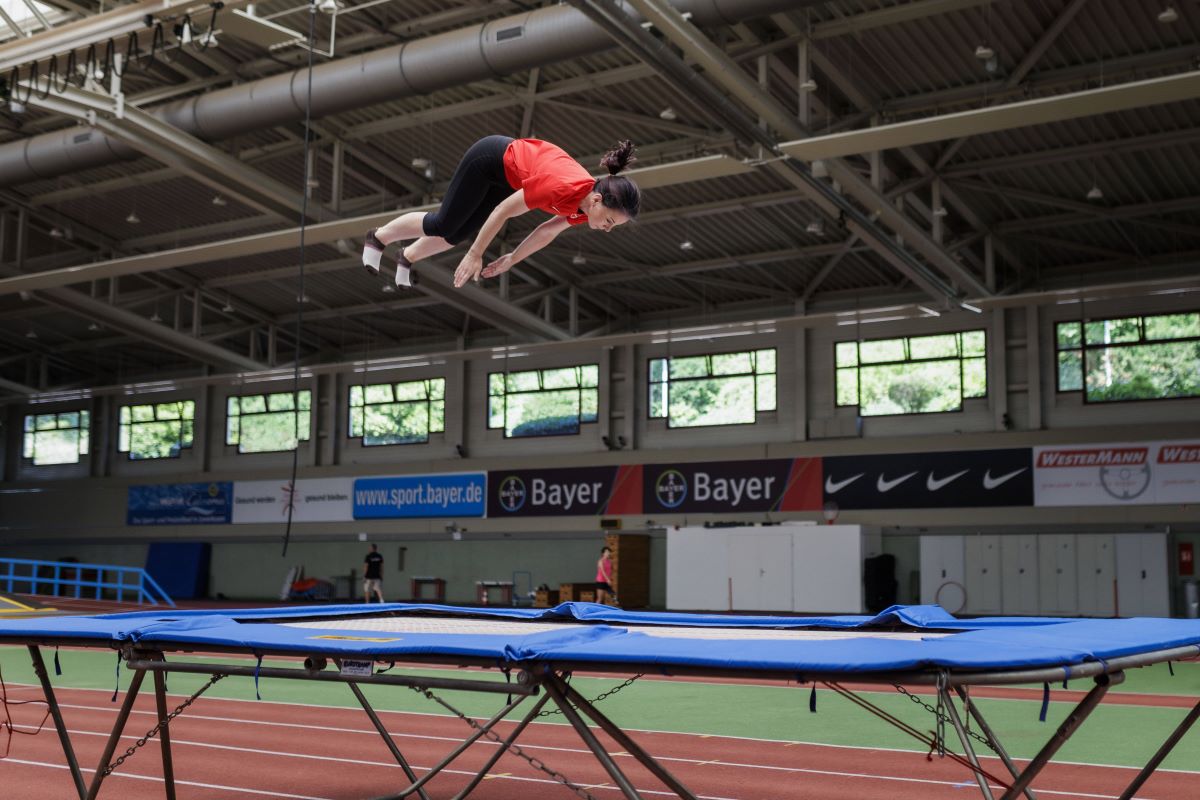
(553,684)
(39,666)
(956,720)
(456,752)
(987,731)
(164,734)
(1064,732)
(503,748)
(110,747)
(1162,752)
(623,739)
(391,744)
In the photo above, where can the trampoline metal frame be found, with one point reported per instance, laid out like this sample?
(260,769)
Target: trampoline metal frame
(549,679)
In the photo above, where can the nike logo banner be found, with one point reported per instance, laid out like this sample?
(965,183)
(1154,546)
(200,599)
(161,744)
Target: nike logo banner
(954,479)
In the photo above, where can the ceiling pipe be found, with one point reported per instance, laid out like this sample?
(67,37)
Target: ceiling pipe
(490,50)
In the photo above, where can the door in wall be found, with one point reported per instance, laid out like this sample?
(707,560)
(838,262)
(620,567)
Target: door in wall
(1142,589)
(982,563)
(1097,576)
(760,566)
(943,572)
(1057,570)
(1019,574)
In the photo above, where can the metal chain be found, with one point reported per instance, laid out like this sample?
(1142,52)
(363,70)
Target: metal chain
(534,761)
(942,717)
(150,734)
(598,698)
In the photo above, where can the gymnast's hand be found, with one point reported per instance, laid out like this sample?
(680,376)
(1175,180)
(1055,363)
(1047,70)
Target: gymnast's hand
(501,264)
(468,269)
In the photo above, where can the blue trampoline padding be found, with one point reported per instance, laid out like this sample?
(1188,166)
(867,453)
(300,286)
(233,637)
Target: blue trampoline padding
(994,643)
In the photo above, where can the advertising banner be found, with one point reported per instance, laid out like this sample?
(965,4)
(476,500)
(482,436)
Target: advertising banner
(460,494)
(1146,473)
(314,500)
(570,492)
(180,504)
(957,479)
(782,484)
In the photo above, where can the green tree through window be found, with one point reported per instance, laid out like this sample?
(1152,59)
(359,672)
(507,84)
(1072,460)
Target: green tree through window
(397,413)
(267,423)
(156,430)
(59,438)
(1130,358)
(911,374)
(714,389)
(543,402)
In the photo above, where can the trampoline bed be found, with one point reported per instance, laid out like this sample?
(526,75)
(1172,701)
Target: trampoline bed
(540,649)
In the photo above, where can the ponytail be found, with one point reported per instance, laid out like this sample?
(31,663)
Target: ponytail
(619,158)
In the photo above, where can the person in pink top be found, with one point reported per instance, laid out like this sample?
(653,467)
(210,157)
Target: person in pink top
(604,574)
(500,178)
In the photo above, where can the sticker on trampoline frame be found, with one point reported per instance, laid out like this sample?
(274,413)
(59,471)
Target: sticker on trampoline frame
(356,668)
(356,638)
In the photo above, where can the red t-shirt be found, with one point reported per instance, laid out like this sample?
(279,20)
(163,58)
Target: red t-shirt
(553,181)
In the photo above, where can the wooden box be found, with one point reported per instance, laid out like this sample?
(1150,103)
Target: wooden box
(631,568)
(546,598)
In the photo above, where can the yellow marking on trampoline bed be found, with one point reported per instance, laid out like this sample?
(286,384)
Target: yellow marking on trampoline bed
(20,607)
(357,638)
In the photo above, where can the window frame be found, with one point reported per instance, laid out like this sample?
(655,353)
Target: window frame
(83,447)
(308,431)
(907,344)
(393,385)
(155,405)
(1083,347)
(541,373)
(754,375)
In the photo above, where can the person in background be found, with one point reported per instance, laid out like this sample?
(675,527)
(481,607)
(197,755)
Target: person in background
(373,575)
(604,576)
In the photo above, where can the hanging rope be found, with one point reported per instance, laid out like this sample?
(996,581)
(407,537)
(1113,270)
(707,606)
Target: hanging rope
(287,533)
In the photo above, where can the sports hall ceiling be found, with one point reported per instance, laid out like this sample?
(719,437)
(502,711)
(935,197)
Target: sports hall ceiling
(161,262)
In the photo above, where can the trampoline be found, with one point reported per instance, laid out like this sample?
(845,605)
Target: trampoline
(539,649)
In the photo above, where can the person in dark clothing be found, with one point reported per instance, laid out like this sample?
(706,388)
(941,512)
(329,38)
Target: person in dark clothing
(373,575)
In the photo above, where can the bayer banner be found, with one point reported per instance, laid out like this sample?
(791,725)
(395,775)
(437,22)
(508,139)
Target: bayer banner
(1145,473)
(570,492)
(314,500)
(179,504)
(459,494)
(956,479)
(730,487)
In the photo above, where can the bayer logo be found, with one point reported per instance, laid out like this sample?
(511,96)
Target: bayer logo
(671,488)
(512,493)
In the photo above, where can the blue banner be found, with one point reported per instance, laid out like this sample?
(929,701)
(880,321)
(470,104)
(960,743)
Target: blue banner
(408,496)
(180,504)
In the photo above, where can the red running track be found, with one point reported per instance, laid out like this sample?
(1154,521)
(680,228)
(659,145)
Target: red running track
(239,749)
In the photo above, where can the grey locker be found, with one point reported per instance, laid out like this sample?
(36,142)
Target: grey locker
(760,566)
(1019,574)
(1142,589)
(982,568)
(1097,575)
(1057,567)
(943,571)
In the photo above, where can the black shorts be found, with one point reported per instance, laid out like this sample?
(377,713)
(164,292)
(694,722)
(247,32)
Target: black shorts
(604,587)
(477,187)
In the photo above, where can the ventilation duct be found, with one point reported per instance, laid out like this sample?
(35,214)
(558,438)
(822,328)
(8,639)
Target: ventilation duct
(493,49)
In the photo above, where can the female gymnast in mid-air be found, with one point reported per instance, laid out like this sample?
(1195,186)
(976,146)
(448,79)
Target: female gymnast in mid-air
(500,178)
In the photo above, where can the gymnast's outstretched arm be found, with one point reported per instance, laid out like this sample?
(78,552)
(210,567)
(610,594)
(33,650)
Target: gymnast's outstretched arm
(472,263)
(538,238)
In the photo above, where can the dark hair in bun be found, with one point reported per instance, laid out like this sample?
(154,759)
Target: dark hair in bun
(615,191)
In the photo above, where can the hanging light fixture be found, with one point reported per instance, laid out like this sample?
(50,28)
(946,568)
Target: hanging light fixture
(1095,193)
(1168,15)
(133,218)
(816,227)
(218,200)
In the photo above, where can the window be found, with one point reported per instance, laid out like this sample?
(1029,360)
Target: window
(267,423)
(397,413)
(717,389)
(1130,358)
(157,430)
(912,374)
(56,438)
(543,402)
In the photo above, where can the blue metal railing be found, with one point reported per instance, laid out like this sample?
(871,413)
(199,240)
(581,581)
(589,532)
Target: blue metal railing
(66,579)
